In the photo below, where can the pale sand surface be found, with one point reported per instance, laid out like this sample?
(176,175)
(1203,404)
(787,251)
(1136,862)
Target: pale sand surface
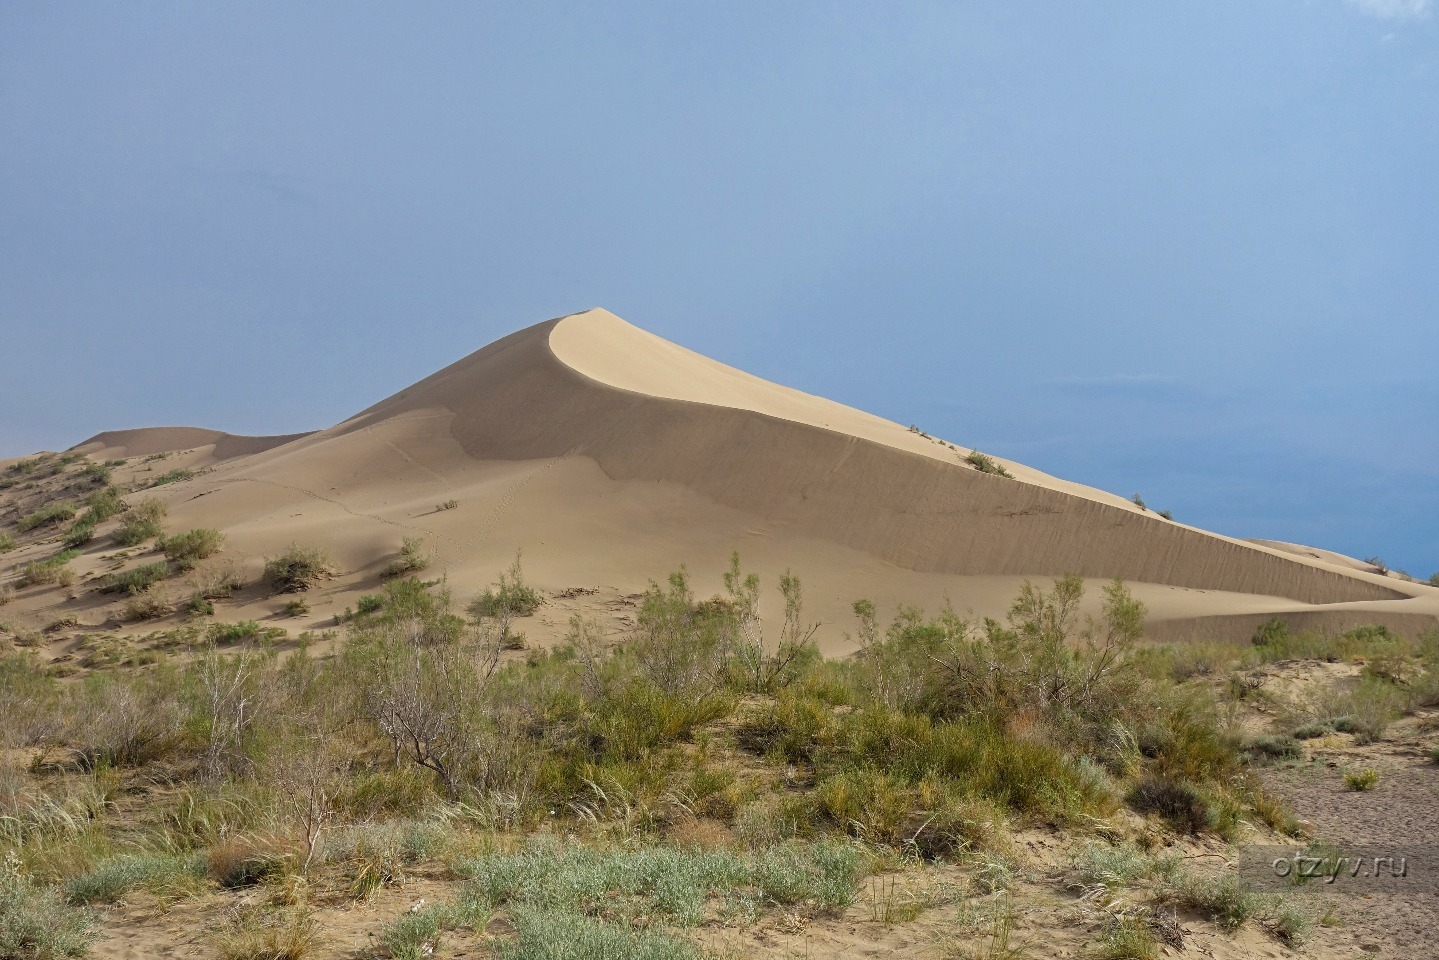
(610,457)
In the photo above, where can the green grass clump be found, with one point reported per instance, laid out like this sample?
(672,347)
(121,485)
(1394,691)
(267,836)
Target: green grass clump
(1128,938)
(369,603)
(80,534)
(1361,780)
(986,464)
(141,522)
(416,935)
(7,542)
(50,570)
(297,569)
(552,935)
(47,515)
(411,559)
(172,476)
(511,596)
(113,878)
(35,924)
(1225,899)
(245,631)
(136,579)
(103,504)
(192,545)
(665,882)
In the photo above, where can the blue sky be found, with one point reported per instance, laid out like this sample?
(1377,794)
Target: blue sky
(1187,249)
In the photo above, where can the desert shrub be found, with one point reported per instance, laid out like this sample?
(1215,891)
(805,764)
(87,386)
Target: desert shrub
(7,542)
(98,472)
(50,570)
(1166,514)
(416,934)
(215,583)
(171,476)
(552,935)
(510,597)
(51,513)
(411,559)
(126,720)
(103,504)
(243,631)
(141,522)
(256,933)
(1361,780)
(1139,502)
(369,603)
(986,464)
(664,882)
(1271,748)
(192,545)
(148,603)
(1271,631)
(1127,938)
(297,569)
(298,607)
(1225,899)
(136,579)
(7,593)
(115,877)
(1179,803)
(35,924)
(80,534)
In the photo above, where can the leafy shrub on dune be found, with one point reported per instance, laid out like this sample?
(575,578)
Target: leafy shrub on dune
(298,569)
(191,546)
(35,922)
(135,579)
(51,513)
(511,596)
(7,542)
(411,559)
(141,522)
(986,464)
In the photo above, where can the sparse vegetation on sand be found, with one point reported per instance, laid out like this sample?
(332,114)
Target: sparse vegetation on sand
(511,597)
(986,464)
(298,569)
(709,769)
(412,558)
(48,515)
(188,548)
(141,522)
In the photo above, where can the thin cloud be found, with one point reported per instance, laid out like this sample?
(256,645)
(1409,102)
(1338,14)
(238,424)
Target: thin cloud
(1394,9)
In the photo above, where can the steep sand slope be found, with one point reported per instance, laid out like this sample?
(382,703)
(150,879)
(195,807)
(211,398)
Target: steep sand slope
(611,456)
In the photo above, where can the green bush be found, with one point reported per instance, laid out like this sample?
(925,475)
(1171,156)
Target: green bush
(35,924)
(986,464)
(104,504)
(47,515)
(7,542)
(411,559)
(81,533)
(1270,632)
(244,631)
(297,569)
(511,596)
(172,476)
(136,579)
(1361,780)
(141,522)
(369,603)
(50,570)
(115,877)
(192,545)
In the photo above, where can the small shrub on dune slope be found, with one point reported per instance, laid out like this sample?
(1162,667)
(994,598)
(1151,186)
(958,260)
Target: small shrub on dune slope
(192,546)
(298,569)
(411,559)
(141,522)
(35,924)
(46,516)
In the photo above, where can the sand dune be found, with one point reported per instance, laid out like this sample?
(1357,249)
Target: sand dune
(148,441)
(610,456)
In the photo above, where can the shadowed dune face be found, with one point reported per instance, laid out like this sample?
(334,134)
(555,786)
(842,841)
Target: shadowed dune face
(876,488)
